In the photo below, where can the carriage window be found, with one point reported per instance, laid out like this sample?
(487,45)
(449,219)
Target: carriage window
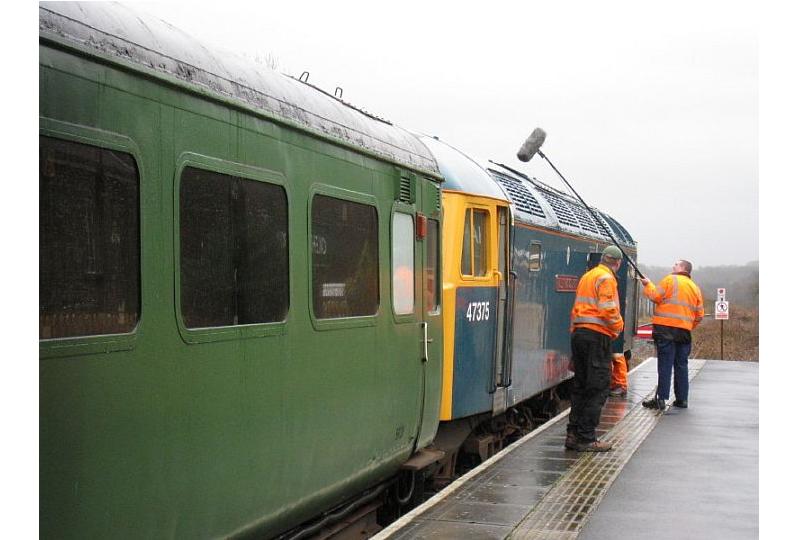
(88,240)
(402,263)
(534,257)
(234,250)
(474,250)
(344,247)
(432,271)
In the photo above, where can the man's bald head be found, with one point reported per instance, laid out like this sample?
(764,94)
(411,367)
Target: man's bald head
(683,266)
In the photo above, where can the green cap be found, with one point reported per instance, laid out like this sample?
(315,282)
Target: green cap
(613,252)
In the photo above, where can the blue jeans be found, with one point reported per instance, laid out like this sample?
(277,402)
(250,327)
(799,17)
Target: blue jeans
(671,354)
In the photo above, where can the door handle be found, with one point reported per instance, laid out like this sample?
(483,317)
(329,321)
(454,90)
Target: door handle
(425,341)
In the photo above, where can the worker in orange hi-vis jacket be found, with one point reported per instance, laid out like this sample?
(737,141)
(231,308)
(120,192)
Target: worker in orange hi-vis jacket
(678,310)
(595,322)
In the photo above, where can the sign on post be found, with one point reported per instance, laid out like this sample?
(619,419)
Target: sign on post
(721,313)
(721,310)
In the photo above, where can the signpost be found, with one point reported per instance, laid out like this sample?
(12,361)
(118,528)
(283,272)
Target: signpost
(721,313)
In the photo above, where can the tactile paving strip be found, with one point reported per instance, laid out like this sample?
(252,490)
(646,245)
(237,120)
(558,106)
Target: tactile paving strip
(563,511)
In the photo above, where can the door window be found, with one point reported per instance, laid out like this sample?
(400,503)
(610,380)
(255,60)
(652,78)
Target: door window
(475,247)
(402,263)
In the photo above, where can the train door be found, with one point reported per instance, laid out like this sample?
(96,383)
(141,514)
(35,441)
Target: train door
(502,366)
(474,308)
(417,298)
(429,288)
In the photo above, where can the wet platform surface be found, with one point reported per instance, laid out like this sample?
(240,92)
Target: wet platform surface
(680,466)
(696,474)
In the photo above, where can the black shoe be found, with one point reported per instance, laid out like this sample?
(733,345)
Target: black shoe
(593,446)
(654,403)
(682,403)
(571,442)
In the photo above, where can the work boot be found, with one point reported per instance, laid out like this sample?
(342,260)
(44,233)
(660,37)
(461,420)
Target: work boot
(618,391)
(593,446)
(654,403)
(571,441)
(682,403)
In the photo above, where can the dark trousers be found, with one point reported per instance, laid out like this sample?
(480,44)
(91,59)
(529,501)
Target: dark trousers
(591,357)
(672,354)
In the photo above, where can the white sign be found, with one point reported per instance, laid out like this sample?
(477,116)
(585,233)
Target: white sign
(333,290)
(720,295)
(721,311)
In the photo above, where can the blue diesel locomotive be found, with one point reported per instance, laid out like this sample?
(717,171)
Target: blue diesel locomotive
(514,250)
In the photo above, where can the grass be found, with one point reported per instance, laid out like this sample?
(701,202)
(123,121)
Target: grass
(740,339)
(740,336)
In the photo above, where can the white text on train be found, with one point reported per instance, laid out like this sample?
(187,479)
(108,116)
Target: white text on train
(478,311)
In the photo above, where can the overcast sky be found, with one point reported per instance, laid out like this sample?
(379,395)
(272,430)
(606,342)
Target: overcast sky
(651,111)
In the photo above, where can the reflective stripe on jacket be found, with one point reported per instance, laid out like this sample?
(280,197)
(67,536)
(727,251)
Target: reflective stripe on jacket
(597,303)
(678,301)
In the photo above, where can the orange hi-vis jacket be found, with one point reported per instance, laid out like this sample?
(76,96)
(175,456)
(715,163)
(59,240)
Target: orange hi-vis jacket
(679,302)
(597,303)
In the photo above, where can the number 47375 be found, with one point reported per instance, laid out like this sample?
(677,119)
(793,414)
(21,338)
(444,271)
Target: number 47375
(478,311)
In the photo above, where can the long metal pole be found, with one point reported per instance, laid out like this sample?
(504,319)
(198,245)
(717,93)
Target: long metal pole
(721,340)
(597,219)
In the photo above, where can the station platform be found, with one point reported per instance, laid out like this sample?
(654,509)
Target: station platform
(684,473)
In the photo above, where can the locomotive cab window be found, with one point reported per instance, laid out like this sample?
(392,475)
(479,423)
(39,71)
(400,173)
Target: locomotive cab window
(88,240)
(234,267)
(344,258)
(475,247)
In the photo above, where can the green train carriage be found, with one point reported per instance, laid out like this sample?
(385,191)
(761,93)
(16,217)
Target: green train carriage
(240,322)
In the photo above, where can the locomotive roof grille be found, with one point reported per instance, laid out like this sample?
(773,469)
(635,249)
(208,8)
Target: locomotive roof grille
(569,212)
(563,212)
(585,219)
(519,193)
